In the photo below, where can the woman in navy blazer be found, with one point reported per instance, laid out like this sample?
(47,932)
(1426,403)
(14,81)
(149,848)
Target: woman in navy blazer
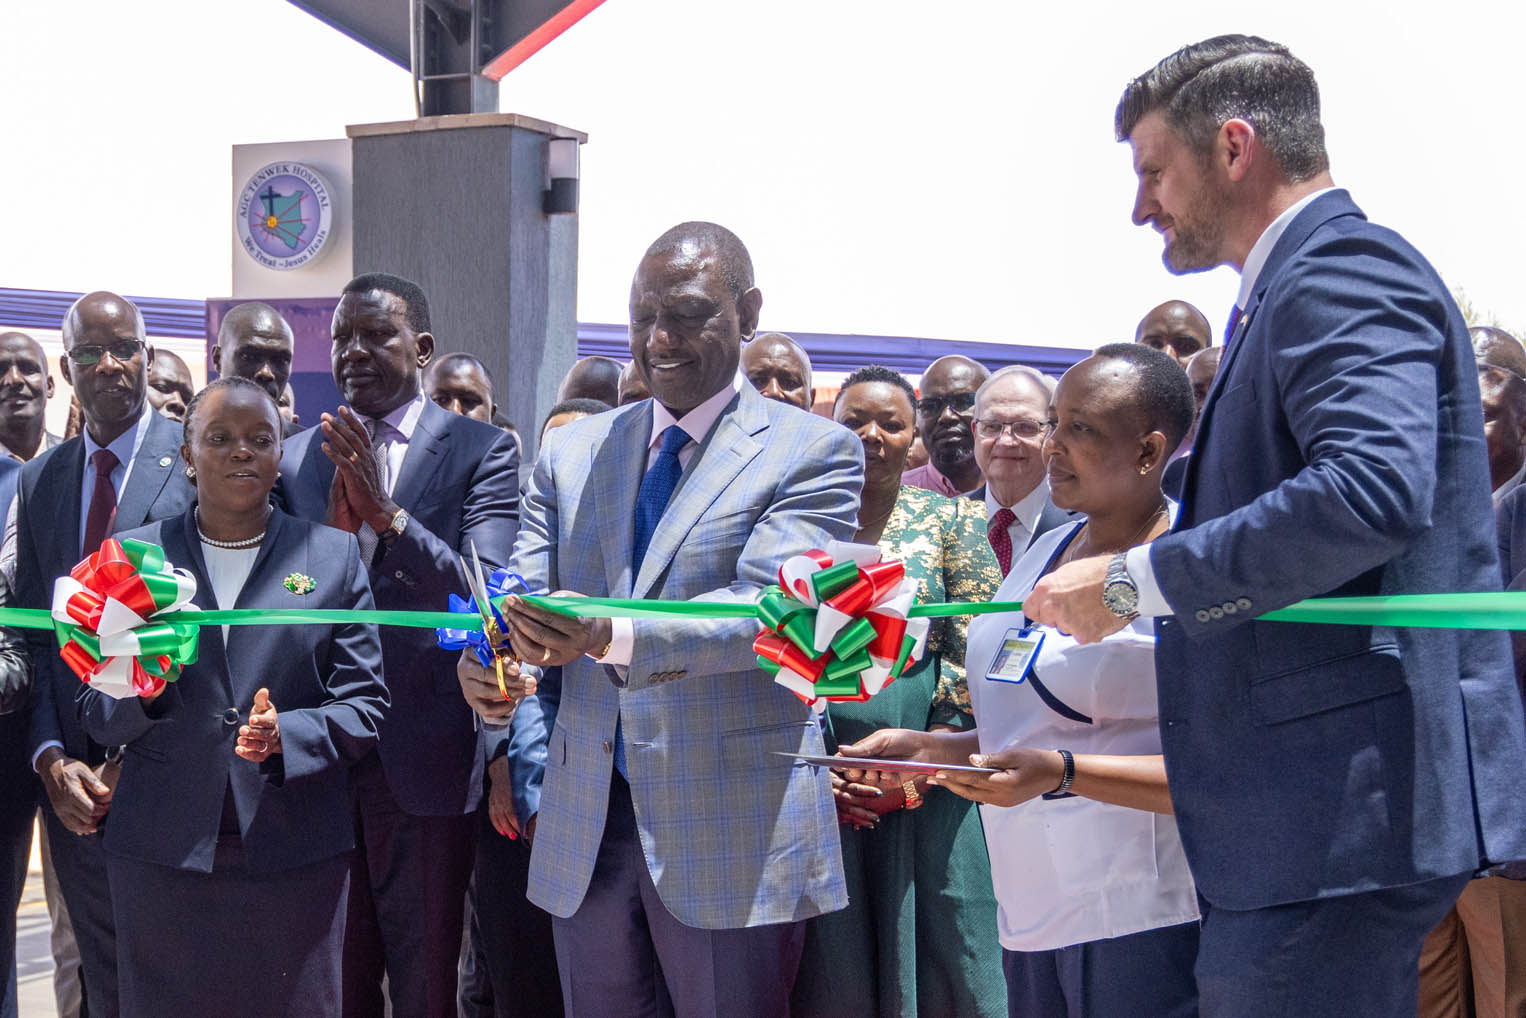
(231,828)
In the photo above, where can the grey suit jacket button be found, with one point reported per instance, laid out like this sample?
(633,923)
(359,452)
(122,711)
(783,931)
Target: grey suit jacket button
(230,716)
(1216,613)
(1243,604)
(609,747)
(398,575)
(1229,608)
(1202,615)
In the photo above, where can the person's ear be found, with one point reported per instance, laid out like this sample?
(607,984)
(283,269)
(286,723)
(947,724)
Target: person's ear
(1152,452)
(811,398)
(424,348)
(1235,147)
(148,356)
(63,369)
(49,390)
(217,358)
(748,308)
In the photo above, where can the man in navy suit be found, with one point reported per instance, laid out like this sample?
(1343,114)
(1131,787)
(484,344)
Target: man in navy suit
(1335,786)
(123,472)
(417,485)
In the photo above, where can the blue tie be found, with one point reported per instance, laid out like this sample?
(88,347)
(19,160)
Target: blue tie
(651,500)
(1234,323)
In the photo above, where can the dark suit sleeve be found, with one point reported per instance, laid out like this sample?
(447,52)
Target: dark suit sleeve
(343,728)
(15,661)
(529,741)
(113,722)
(816,501)
(44,726)
(489,518)
(1355,329)
(1510,520)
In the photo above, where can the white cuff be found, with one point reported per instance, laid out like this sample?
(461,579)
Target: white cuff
(50,744)
(622,642)
(1152,602)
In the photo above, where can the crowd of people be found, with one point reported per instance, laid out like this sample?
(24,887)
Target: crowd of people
(1126,799)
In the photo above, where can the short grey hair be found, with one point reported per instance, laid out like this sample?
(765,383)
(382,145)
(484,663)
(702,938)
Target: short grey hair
(1042,380)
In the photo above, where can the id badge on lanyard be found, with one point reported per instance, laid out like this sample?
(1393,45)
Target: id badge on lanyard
(1015,655)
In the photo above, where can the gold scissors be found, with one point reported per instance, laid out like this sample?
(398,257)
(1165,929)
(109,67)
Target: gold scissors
(492,622)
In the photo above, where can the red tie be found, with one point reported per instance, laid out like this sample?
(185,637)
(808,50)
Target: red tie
(1001,538)
(103,500)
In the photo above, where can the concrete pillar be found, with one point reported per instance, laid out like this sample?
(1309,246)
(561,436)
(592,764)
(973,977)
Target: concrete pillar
(454,203)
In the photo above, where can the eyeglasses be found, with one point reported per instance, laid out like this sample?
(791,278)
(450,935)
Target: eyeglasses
(122,350)
(932,407)
(1017,429)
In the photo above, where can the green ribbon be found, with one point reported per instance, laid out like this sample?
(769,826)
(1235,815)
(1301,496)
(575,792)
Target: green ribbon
(1483,610)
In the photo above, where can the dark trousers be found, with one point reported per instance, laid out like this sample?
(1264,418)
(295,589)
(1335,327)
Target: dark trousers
(233,941)
(623,953)
(407,893)
(18,807)
(1142,975)
(511,970)
(1356,956)
(80,865)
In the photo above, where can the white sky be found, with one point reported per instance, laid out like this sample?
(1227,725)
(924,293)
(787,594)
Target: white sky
(955,180)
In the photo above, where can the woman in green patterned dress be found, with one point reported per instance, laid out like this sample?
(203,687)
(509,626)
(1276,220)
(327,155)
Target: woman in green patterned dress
(918,937)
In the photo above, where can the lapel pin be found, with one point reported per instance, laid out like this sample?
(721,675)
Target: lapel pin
(164,461)
(299,584)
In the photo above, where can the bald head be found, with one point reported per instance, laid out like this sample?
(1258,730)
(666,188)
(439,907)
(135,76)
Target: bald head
(730,253)
(1496,348)
(256,343)
(592,378)
(107,357)
(170,386)
(1201,370)
(1176,328)
(780,369)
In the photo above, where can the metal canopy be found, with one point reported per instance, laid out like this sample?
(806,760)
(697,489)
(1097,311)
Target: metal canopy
(463,47)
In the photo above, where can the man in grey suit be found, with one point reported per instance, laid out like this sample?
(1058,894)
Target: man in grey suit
(678,854)
(1010,409)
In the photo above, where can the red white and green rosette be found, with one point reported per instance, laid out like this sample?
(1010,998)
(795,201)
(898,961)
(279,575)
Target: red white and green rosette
(114,618)
(836,626)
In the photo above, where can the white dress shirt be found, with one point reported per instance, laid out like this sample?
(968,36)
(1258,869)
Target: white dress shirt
(1152,601)
(401,424)
(227,571)
(1074,870)
(1027,512)
(697,424)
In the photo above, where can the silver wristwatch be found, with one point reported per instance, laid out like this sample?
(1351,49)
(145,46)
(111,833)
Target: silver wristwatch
(1120,595)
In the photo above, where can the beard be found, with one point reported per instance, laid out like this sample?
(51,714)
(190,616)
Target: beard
(1198,233)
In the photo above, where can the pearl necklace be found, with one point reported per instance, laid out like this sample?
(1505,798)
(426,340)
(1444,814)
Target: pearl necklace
(248,542)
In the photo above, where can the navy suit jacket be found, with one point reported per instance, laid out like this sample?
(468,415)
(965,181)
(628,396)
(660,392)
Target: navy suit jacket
(47,547)
(460,484)
(1340,452)
(325,683)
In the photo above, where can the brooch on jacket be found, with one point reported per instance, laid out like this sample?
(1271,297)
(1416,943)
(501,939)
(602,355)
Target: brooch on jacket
(299,584)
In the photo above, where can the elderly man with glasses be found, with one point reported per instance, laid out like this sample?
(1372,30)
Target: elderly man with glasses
(944,412)
(1009,414)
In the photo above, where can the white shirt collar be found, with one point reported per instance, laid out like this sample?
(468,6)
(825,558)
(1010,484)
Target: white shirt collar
(1028,508)
(697,423)
(1262,249)
(125,445)
(405,418)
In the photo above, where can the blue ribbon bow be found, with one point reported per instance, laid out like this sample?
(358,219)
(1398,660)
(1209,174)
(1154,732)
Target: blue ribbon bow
(500,583)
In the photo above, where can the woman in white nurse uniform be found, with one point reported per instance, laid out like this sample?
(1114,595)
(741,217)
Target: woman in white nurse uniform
(1097,912)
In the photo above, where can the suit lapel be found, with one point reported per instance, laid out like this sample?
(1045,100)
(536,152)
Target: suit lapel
(730,447)
(58,494)
(1316,214)
(426,451)
(182,547)
(616,467)
(152,469)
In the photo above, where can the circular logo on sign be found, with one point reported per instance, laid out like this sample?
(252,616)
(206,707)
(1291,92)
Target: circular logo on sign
(285,213)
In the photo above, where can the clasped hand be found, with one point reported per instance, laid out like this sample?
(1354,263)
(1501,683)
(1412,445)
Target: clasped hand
(356,494)
(479,685)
